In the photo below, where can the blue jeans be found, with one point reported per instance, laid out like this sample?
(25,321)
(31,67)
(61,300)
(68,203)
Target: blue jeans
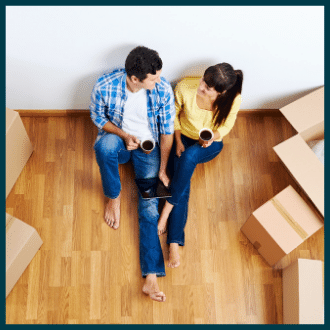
(111,151)
(183,168)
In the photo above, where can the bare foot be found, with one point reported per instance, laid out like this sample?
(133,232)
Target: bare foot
(151,289)
(174,257)
(112,212)
(162,222)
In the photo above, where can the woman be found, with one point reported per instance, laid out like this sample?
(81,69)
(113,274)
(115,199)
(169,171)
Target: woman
(212,102)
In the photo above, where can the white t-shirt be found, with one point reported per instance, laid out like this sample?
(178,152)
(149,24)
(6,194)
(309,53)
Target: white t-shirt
(135,117)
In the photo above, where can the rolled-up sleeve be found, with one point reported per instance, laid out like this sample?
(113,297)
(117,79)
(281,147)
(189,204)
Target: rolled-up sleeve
(98,108)
(167,112)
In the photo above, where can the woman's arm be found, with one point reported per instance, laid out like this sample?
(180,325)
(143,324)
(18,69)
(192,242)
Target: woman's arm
(178,142)
(166,142)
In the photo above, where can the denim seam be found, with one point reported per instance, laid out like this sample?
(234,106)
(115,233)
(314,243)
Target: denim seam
(157,273)
(172,202)
(113,197)
(175,241)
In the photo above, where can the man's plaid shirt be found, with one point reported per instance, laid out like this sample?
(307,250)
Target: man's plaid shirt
(109,97)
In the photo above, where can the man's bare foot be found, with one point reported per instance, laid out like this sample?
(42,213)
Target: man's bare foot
(162,222)
(151,289)
(174,257)
(112,212)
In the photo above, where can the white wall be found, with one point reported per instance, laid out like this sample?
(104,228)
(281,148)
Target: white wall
(54,55)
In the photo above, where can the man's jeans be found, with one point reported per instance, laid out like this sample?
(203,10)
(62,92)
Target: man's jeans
(111,151)
(182,169)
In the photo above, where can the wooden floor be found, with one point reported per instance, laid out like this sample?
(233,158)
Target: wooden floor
(87,273)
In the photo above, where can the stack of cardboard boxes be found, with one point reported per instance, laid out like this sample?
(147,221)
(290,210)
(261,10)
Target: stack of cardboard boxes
(283,223)
(22,240)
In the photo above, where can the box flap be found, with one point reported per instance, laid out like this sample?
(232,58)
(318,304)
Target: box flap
(8,218)
(18,234)
(288,219)
(311,296)
(278,227)
(306,111)
(296,208)
(303,292)
(305,167)
(11,115)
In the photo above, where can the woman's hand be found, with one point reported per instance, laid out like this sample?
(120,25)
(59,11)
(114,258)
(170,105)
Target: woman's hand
(179,148)
(207,143)
(216,136)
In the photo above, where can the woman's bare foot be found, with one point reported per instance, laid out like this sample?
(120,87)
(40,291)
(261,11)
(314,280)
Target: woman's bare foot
(162,222)
(151,289)
(112,212)
(174,257)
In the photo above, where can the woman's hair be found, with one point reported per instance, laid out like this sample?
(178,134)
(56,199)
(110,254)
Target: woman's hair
(141,61)
(227,82)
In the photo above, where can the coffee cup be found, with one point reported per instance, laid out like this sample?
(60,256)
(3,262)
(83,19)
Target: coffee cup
(205,135)
(147,145)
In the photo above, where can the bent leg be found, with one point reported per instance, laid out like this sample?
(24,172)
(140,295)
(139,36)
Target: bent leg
(186,165)
(177,220)
(110,151)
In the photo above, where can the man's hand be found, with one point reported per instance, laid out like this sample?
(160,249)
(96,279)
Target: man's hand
(131,142)
(179,148)
(164,178)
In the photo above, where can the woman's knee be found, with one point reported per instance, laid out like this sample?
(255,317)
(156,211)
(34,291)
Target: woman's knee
(189,156)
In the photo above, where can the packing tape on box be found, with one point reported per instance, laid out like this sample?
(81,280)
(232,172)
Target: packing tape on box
(298,229)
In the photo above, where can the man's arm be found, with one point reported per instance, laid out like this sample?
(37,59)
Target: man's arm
(99,118)
(166,142)
(131,141)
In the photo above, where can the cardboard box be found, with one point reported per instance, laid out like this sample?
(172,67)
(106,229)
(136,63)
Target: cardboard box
(22,243)
(303,292)
(306,115)
(18,148)
(281,224)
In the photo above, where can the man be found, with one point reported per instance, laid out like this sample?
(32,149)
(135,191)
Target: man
(129,105)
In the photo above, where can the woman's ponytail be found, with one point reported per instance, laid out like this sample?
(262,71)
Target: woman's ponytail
(228,82)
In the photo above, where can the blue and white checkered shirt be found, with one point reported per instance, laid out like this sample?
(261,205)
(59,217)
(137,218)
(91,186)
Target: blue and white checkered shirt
(109,97)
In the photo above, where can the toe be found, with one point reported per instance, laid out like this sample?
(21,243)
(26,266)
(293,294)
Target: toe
(158,296)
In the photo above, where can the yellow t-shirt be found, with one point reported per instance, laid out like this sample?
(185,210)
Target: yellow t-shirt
(190,119)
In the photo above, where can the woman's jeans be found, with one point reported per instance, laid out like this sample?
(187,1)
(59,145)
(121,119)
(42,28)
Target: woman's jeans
(183,168)
(111,151)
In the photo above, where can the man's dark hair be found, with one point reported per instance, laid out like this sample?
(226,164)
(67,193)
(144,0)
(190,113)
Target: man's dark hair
(141,61)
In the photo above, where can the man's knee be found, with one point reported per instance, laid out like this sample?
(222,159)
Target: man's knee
(108,145)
